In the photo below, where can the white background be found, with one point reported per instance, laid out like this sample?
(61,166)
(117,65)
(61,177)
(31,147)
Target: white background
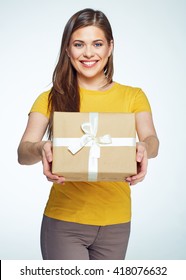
(149,53)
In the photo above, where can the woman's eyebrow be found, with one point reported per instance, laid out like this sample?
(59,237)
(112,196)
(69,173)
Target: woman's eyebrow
(76,40)
(98,40)
(81,41)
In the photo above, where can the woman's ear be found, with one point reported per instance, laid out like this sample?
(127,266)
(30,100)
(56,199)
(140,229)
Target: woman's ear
(67,52)
(111,46)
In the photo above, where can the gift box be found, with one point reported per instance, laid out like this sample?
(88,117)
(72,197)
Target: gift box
(94,146)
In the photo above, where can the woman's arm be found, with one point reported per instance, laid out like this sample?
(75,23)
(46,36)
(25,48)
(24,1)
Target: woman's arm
(31,144)
(147,133)
(32,149)
(146,148)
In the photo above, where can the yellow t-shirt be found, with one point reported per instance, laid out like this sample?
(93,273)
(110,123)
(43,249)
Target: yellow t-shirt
(95,203)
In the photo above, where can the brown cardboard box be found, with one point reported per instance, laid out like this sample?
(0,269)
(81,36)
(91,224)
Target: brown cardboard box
(117,159)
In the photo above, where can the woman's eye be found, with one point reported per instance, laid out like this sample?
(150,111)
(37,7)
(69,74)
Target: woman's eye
(98,45)
(78,45)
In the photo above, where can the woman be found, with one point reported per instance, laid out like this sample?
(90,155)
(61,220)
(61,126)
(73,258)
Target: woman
(86,220)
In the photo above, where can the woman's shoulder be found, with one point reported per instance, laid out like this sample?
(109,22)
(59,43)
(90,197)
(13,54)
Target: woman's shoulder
(44,94)
(41,103)
(135,96)
(128,88)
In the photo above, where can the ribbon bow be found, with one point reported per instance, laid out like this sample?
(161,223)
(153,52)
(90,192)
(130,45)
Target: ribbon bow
(90,130)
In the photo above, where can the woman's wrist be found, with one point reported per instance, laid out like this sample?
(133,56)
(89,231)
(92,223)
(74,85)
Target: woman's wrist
(144,144)
(39,147)
(151,145)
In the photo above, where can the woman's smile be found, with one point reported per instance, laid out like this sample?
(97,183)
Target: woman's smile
(89,63)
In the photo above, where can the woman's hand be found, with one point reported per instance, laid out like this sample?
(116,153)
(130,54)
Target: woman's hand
(142,162)
(47,164)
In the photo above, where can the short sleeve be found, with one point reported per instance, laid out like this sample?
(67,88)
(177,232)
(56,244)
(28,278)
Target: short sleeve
(141,102)
(41,104)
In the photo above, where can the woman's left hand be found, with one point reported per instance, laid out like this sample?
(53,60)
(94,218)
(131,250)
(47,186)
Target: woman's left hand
(142,162)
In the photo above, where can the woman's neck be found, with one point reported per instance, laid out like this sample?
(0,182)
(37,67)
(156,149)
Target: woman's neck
(93,84)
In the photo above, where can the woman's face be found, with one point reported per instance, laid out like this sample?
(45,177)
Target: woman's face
(89,52)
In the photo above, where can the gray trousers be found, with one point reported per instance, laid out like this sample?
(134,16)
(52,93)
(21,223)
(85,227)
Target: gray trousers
(62,240)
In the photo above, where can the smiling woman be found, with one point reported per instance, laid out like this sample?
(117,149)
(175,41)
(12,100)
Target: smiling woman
(86,220)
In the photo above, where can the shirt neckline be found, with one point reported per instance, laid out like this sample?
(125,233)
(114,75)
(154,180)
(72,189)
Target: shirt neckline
(100,92)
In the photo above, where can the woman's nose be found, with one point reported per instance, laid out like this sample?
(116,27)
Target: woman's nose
(89,52)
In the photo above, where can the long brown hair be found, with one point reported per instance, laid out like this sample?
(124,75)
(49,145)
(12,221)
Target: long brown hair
(64,95)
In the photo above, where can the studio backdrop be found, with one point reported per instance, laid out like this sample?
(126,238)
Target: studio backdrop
(149,53)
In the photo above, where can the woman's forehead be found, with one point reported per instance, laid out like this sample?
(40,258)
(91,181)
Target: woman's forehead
(88,32)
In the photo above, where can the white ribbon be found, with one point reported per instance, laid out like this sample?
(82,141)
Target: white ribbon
(116,142)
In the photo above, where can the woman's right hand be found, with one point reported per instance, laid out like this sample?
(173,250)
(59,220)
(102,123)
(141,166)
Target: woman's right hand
(47,164)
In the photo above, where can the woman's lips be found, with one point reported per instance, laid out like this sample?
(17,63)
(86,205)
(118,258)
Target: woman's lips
(89,63)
